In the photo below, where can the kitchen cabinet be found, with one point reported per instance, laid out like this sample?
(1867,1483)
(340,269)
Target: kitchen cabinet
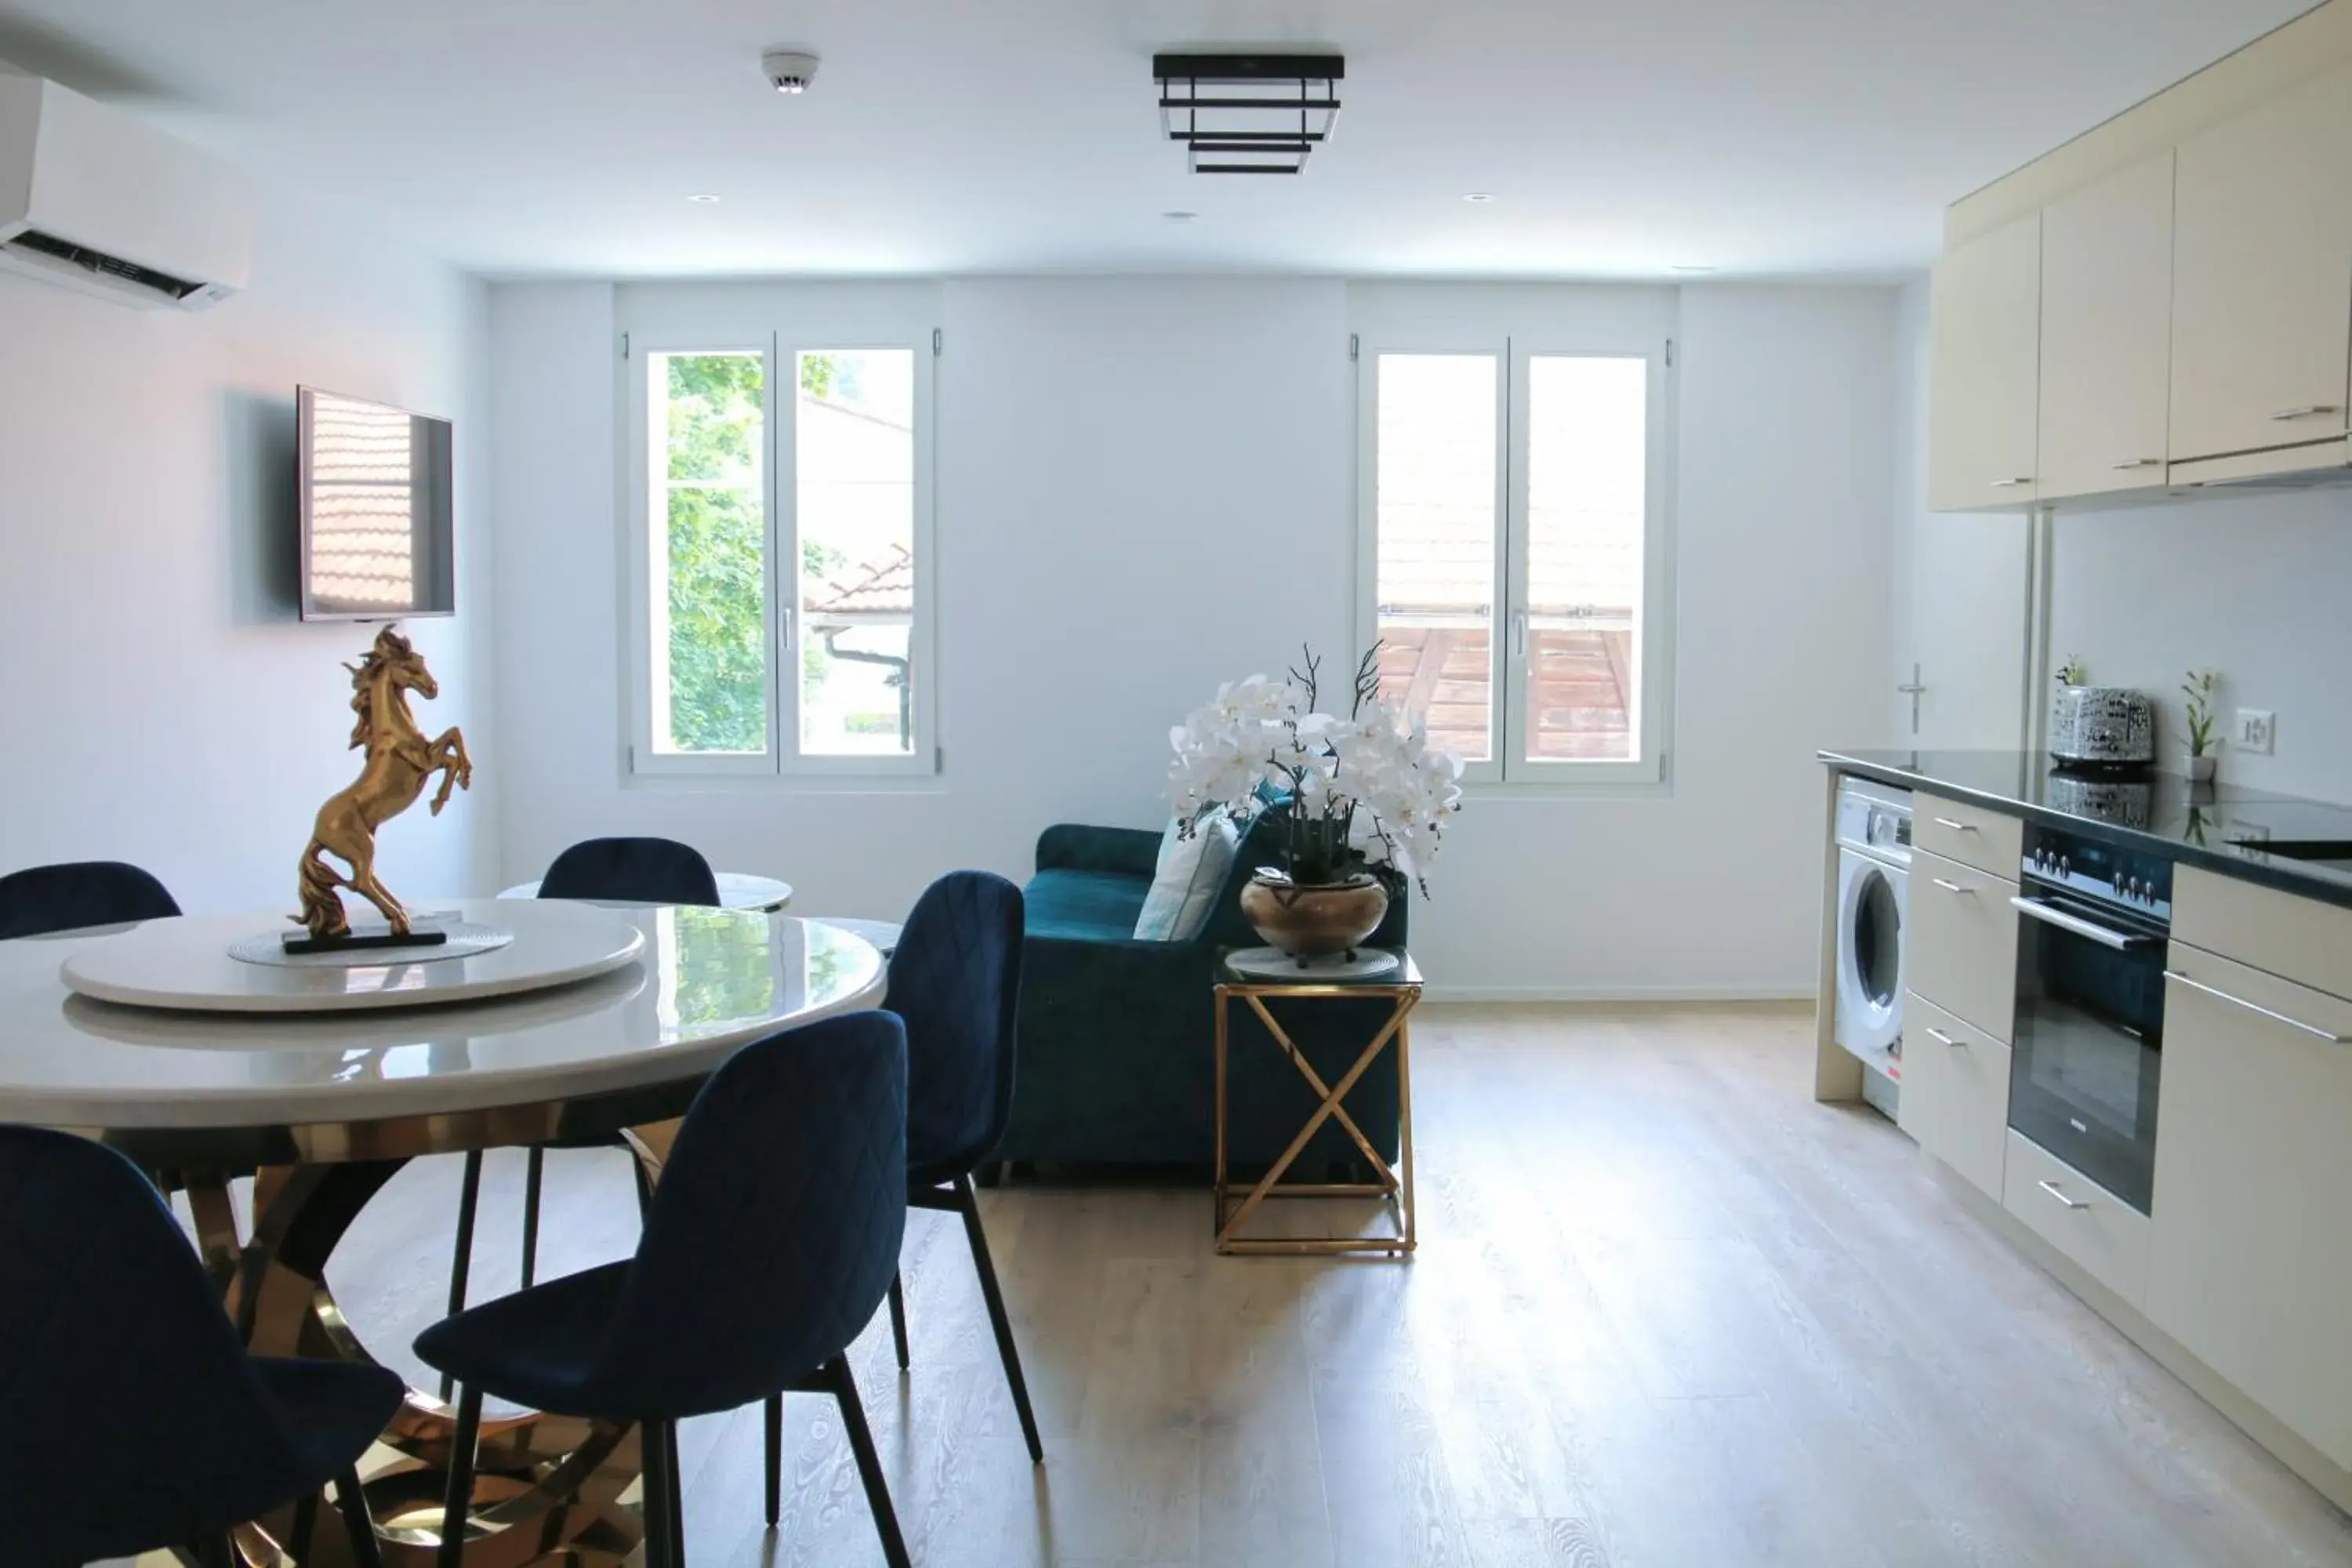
(2262,276)
(2107,333)
(1988,841)
(2250,1264)
(1955,1092)
(1983,370)
(2105,1235)
(1963,937)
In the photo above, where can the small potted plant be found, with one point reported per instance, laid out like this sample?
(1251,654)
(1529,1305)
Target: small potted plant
(1361,801)
(2199,692)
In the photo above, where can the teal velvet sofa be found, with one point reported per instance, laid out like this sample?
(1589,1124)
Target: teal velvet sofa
(1117,1062)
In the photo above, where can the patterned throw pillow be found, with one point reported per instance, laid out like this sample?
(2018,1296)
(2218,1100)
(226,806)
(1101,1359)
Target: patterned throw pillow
(1191,873)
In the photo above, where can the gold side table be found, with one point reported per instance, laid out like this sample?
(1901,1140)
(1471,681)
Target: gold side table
(1400,987)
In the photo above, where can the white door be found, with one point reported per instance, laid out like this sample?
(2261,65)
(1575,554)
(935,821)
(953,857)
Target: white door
(1960,589)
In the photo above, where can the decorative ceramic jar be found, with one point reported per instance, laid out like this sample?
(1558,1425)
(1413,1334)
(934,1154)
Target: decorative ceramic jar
(1313,920)
(2102,727)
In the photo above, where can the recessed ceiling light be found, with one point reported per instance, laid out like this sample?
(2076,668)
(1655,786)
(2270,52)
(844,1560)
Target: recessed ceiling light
(1181,216)
(1479,196)
(705,197)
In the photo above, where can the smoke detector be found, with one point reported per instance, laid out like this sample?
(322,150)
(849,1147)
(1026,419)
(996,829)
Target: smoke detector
(789,70)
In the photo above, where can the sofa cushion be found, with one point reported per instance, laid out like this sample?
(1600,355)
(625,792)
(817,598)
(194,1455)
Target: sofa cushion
(1101,905)
(1190,878)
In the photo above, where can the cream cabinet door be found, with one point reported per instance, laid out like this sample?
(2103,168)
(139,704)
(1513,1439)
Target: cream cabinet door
(2107,333)
(1984,347)
(1955,1092)
(2250,1263)
(2261,269)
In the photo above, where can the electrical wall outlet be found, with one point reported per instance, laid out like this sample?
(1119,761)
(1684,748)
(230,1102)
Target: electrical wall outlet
(2255,729)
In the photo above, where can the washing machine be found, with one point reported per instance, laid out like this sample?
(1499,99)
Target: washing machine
(1873,845)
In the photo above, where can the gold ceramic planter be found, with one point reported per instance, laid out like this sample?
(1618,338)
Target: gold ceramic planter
(1315,920)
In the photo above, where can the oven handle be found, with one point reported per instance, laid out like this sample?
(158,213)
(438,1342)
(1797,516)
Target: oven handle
(2106,936)
(2329,1035)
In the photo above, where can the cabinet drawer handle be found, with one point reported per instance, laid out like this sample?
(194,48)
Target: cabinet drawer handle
(2011,484)
(2055,1191)
(1940,1037)
(2330,1036)
(1955,826)
(1950,887)
(2138,463)
(2309,411)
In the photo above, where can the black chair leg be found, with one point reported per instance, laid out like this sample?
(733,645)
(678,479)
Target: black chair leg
(775,1425)
(306,1524)
(461,1256)
(654,1439)
(968,1203)
(898,1320)
(869,1461)
(457,1502)
(352,1503)
(531,1177)
(676,1502)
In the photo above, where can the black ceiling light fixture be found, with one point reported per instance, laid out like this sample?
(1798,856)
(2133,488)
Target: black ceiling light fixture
(1248,113)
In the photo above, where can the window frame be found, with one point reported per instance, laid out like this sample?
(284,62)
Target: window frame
(910,331)
(1514,333)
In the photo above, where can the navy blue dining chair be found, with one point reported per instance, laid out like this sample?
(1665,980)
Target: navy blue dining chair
(619,870)
(632,871)
(44,899)
(131,1419)
(955,981)
(771,1238)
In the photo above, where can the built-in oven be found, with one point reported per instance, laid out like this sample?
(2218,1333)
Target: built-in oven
(2089,1040)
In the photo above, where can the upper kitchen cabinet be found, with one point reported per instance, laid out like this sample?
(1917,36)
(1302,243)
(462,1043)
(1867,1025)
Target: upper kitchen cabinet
(1983,358)
(2107,331)
(2261,271)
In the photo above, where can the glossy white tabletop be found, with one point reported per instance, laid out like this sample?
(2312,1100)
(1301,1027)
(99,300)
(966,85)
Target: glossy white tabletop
(705,982)
(737,890)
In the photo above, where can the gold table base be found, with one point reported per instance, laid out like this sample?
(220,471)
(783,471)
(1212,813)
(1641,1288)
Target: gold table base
(549,1488)
(1393,1184)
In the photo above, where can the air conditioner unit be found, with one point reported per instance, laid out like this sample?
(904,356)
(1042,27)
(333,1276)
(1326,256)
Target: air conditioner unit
(99,202)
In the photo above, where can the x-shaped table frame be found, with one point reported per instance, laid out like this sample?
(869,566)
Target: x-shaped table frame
(1395,1183)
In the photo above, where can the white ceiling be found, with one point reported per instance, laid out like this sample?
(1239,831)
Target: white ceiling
(1618,137)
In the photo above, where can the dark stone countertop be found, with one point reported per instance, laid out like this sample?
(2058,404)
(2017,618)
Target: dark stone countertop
(2195,825)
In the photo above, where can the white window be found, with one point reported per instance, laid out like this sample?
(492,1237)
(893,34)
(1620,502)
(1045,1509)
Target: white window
(1515,547)
(782,555)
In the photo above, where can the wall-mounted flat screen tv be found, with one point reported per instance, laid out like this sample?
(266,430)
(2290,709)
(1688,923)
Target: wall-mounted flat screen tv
(378,513)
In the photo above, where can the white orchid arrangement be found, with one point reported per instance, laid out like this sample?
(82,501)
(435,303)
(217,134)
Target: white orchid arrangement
(1353,794)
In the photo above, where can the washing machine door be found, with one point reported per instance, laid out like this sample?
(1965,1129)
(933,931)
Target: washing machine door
(1870,954)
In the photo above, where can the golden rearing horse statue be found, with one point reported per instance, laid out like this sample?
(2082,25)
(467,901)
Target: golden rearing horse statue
(399,761)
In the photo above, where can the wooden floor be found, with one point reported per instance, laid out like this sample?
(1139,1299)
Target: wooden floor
(1666,1311)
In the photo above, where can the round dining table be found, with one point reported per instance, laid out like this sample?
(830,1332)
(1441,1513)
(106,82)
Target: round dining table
(321,1108)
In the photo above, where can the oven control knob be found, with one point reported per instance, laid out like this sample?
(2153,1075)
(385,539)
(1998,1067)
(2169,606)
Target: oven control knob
(2065,866)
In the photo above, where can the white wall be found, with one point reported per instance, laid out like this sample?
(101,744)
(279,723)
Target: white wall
(162,703)
(1145,486)
(2254,588)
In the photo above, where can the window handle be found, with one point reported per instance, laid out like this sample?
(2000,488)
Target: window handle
(1519,634)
